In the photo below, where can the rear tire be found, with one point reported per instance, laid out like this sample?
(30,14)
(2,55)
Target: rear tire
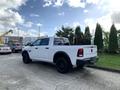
(26,58)
(62,65)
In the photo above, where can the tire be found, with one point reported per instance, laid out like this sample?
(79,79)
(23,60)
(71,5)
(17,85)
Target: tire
(26,58)
(13,50)
(62,65)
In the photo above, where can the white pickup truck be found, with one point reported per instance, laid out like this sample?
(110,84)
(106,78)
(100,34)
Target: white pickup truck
(58,51)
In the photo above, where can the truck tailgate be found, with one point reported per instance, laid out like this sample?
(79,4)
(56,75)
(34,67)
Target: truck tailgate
(90,51)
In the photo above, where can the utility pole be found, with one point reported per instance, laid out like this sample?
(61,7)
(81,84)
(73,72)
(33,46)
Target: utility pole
(39,31)
(39,25)
(18,32)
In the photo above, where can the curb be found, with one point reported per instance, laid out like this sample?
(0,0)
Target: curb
(105,69)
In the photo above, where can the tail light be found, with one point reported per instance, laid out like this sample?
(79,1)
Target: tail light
(80,52)
(91,50)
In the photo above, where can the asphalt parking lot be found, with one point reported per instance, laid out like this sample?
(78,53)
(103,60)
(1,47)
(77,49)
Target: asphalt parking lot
(14,75)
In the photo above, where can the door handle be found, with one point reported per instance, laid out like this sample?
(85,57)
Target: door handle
(36,48)
(47,48)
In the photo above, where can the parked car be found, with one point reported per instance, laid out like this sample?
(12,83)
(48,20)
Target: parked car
(57,50)
(16,47)
(4,49)
(28,44)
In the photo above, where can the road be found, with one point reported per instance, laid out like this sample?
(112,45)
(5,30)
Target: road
(14,75)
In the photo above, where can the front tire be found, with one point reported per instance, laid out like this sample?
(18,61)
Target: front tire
(26,58)
(13,50)
(62,65)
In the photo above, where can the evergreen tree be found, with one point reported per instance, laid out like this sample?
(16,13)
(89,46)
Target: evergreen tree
(78,36)
(113,41)
(98,39)
(87,36)
(66,32)
(106,40)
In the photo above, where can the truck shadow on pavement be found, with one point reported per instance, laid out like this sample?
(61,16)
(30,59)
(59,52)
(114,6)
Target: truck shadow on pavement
(53,67)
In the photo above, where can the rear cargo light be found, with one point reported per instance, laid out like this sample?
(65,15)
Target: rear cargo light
(80,52)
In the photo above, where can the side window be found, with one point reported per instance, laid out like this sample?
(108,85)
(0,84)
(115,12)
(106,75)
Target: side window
(58,41)
(44,41)
(36,43)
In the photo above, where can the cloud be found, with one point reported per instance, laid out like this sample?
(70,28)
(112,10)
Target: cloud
(55,3)
(81,3)
(111,9)
(5,4)
(56,29)
(9,18)
(105,21)
(116,17)
(28,33)
(47,3)
(75,24)
(58,3)
(92,1)
(85,11)
(28,24)
(39,24)
(35,33)
(91,23)
(61,14)
(76,3)
(109,5)
(70,3)
(34,15)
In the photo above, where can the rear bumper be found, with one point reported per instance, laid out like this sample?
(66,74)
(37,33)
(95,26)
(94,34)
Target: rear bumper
(87,61)
(6,52)
(18,49)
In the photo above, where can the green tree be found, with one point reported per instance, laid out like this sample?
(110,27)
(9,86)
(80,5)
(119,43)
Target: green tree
(119,39)
(98,39)
(78,36)
(106,40)
(113,41)
(87,36)
(66,32)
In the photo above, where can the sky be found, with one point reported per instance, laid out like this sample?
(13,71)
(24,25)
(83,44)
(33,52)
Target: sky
(26,17)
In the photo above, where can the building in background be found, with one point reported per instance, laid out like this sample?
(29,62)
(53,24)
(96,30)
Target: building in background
(13,39)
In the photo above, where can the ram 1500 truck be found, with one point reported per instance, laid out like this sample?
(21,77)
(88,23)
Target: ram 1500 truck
(58,51)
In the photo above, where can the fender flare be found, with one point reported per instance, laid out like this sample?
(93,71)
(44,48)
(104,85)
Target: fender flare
(63,54)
